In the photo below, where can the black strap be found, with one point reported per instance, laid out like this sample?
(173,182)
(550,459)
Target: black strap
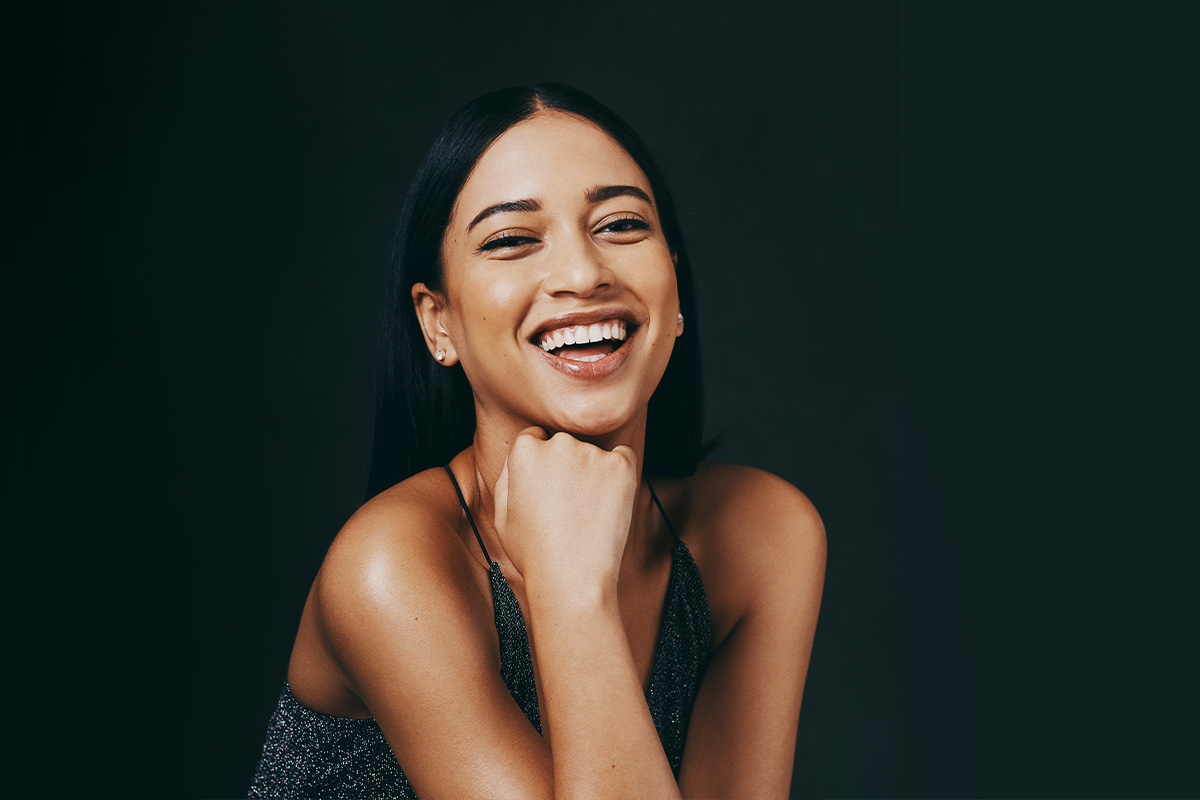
(661,510)
(467,511)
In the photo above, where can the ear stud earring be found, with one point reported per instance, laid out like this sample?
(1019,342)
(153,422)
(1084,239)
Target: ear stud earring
(440,355)
(679,318)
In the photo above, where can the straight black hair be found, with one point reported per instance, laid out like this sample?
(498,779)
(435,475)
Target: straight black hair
(425,412)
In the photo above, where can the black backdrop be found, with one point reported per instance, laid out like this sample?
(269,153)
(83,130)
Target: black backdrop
(203,201)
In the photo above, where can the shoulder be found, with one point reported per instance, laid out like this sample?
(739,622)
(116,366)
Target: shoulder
(395,532)
(758,541)
(401,552)
(752,511)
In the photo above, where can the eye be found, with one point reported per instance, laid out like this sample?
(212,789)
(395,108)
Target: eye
(624,227)
(506,240)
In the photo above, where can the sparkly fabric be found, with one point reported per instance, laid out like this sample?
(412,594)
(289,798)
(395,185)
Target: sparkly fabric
(312,755)
(681,656)
(516,664)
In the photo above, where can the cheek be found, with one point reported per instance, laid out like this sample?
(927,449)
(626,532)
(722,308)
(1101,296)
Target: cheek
(496,307)
(652,276)
(663,285)
(498,295)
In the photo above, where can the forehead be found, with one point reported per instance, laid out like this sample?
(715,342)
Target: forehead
(551,156)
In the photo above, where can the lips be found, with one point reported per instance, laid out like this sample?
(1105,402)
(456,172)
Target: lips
(586,344)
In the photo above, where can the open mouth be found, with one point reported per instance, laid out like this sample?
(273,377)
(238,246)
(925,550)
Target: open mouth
(585,343)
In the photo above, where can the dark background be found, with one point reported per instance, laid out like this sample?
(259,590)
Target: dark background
(934,293)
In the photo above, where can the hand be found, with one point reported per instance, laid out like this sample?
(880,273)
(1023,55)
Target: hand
(563,508)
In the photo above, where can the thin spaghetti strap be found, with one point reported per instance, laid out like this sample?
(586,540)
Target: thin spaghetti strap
(467,511)
(661,510)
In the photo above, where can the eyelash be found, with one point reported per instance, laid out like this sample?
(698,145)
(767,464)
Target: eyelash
(634,223)
(504,241)
(631,223)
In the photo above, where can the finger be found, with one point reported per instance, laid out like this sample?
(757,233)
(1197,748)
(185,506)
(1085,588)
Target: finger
(535,432)
(627,453)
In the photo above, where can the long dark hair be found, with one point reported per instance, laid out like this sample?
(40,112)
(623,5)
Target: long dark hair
(424,412)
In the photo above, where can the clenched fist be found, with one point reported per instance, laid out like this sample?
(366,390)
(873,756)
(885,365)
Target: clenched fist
(563,508)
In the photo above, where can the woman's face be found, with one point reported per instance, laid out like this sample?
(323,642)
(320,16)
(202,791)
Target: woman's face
(555,239)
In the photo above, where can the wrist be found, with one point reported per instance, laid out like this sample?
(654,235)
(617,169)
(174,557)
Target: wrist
(556,593)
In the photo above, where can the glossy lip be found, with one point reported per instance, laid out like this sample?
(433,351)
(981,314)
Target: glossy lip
(589,369)
(585,318)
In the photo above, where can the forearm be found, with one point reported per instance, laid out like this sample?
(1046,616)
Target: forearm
(602,737)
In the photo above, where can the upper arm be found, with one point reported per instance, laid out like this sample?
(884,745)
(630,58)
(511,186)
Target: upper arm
(415,648)
(763,567)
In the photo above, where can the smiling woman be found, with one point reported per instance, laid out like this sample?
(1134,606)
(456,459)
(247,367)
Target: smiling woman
(548,593)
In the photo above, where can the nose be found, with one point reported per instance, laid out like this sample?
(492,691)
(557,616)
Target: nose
(578,268)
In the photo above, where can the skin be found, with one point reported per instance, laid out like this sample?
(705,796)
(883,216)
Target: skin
(398,625)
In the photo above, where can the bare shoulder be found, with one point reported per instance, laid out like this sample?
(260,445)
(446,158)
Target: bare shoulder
(754,512)
(757,539)
(400,531)
(397,566)
(399,627)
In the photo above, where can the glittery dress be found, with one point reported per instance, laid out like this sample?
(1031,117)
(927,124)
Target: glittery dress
(312,755)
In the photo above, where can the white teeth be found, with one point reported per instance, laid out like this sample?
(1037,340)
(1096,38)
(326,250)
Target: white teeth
(583,334)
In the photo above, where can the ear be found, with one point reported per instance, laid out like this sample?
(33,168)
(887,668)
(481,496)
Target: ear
(679,324)
(431,308)
(675,259)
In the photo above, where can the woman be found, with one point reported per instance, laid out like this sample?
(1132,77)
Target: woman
(519,611)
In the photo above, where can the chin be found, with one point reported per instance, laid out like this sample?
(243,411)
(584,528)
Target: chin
(595,420)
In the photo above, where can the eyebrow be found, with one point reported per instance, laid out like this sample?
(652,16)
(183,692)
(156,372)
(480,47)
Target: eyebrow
(597,194)
(501,208)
